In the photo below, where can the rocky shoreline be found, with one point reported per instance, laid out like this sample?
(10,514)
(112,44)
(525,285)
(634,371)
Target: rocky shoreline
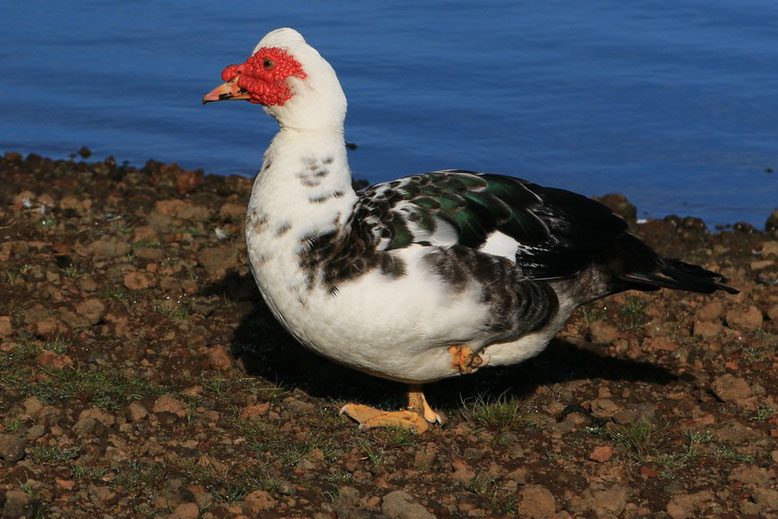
(141,375)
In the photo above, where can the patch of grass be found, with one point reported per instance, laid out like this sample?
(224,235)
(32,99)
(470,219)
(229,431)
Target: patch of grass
(374,455)
(729,453)
(54,454)
(121,294)
(178,310)
(58,345)
(634,310)
(491,413)
(105,388)
(639,439)
(594,312)
(763,413)
(486,486)
(87,472)
(233,485)
(12,426)
(28,351)
(395,436)
(141,476)
(47,222)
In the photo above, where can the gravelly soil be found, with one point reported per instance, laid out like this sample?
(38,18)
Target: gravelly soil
(142,375)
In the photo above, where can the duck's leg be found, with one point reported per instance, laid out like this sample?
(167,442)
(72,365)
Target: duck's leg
(416,418)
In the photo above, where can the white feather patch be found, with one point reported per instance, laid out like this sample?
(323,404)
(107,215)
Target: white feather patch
(499,244)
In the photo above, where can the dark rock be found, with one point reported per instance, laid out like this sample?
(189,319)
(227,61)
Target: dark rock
(619,205)
(772,222)
(12,447)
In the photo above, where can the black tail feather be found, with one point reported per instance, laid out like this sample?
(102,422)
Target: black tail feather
(640,268)
(679,275)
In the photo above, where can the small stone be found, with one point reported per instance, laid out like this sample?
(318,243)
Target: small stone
(745,320)
(682,506)
(604,408)
(216,260)
(12,447)
(86,426)
(610,502)
(100,495)
(766,498)
(730,388)
(706,328)
(186,511)
(603,333)
(710,311)
(18,504)
(170,404)
(253,413)
(99,414)
(233,212)
(536,502)
(53,360)
(219,358)
(65,484)
(619,204)
(770,248)
(32,407)
(92,309)
(751,474)
(772,222)
(258,501)
(399,504)
(135,412)
(462,472)
(601,454)
(6,327)
(772,313)
(108,247)
(137,280)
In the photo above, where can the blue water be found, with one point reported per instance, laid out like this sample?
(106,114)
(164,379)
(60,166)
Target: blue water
(673,104)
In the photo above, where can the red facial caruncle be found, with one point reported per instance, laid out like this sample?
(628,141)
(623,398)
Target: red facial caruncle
(263,76)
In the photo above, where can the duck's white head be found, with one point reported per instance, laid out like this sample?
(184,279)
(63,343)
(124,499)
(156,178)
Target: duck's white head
(290,79)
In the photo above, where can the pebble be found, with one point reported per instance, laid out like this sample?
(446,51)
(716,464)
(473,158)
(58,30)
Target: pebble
(683,506)
(711,311)
(707,328)
(12,447)
(611,501)
(745,320)
(219,358)
(6,327)
(53,360)
(604,408)
(730,388)
(603,333)
(108,247)
(752,474)
(536,502)
(399,504)
(136,280)
(170,404)
(601,454)
(258,501)
(462,472)
(92,309)
(185,511)
(135,412)
(766,498)
(216,260)
(17,504)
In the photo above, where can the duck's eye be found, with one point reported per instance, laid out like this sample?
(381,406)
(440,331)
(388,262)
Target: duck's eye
(268,64)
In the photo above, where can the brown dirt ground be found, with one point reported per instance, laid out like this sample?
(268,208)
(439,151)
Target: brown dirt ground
(141,375)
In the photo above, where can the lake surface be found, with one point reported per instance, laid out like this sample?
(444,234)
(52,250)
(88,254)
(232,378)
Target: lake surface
(675,106)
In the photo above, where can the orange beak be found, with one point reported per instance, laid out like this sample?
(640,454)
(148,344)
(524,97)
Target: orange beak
(227,92)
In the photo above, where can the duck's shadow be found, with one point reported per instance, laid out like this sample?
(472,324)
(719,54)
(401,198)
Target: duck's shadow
(266,350)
